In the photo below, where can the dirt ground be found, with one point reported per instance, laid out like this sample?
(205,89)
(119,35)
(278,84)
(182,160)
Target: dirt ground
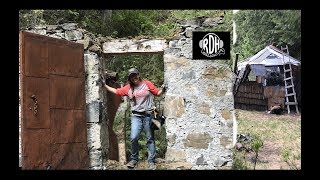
(142,165)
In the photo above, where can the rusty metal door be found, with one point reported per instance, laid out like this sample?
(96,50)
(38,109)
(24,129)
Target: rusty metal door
(53,125)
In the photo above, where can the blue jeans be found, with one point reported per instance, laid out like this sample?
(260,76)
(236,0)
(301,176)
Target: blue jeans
(137,124)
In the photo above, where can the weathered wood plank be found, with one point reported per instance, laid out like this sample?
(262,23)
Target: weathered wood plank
(134,46)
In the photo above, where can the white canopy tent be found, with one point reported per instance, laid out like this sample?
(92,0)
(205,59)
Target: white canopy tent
(269,56)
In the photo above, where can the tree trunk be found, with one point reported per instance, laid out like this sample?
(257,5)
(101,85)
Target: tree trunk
(107,14)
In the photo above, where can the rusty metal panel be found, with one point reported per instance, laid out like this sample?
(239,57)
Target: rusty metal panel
(35,55)
(70,156)
(53,106)
(66,58)
(67,92)
(36,148)
(67,126)
(36,103)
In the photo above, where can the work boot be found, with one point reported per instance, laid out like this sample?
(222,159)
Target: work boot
(132,164)
(151,166)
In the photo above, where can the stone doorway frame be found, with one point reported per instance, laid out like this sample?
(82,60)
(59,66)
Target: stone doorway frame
(127,47)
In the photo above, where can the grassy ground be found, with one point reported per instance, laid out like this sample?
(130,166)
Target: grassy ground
(281,136)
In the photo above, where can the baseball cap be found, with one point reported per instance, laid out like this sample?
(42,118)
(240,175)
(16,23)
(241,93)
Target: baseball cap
(132,71)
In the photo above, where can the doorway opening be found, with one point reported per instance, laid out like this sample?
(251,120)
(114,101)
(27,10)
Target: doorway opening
(151,67)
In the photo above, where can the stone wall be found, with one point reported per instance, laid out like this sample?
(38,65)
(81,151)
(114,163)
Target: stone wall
(199,104)
(199,107)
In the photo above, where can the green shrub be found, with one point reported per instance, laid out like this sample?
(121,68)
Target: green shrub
(239,162)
